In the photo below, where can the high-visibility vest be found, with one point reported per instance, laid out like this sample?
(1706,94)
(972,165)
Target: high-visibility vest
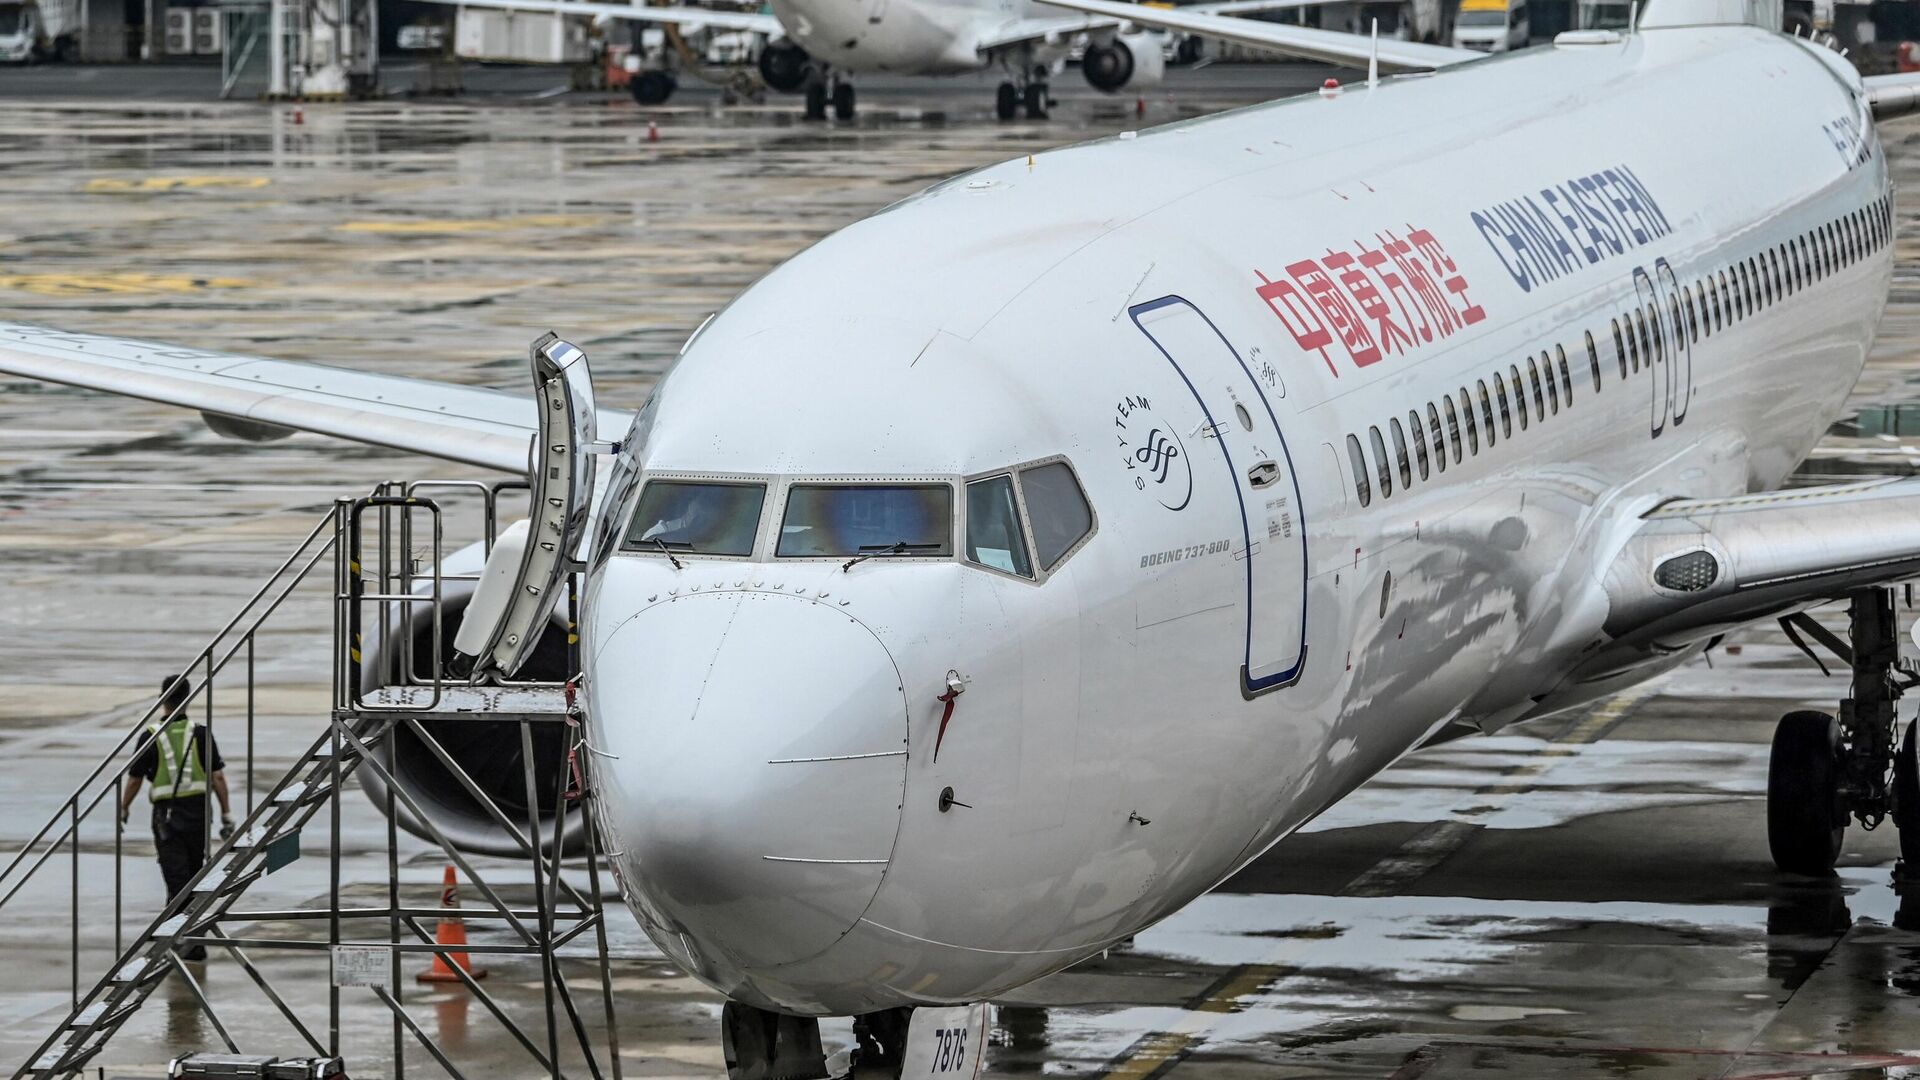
(178,772)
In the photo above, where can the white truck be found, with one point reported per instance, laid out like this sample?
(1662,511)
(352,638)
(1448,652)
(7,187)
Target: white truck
(32,30)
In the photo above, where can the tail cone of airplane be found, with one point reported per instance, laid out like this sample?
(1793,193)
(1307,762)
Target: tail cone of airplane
(761,760)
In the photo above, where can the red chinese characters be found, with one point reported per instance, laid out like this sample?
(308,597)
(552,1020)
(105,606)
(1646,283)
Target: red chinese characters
(1375,302)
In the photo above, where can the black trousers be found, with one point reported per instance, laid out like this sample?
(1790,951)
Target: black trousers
(180,837)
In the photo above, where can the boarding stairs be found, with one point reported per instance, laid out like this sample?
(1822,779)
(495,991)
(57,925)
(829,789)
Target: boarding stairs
(379,578)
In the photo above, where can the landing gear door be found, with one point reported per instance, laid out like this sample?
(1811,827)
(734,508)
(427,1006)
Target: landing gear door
(560,472)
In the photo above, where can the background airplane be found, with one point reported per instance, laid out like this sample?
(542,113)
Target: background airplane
(814,45)
(1007,569)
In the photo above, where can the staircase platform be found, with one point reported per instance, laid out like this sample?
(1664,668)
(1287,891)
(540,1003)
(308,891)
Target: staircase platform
(469,702)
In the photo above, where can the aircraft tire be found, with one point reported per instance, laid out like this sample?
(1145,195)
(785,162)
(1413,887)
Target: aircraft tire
(816,100)
(1906,797)
(1007,101)
(843,101)
(1036,101)
(1805,822)
(652,87)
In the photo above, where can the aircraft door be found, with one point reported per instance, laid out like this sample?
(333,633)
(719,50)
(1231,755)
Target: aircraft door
(1241,433)
(1656,356)
(1679,381)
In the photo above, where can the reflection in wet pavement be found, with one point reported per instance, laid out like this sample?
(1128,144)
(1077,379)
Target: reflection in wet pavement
(1580,896)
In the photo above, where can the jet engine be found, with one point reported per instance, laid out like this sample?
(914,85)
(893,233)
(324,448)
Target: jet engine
(785,66)
(488,750)
(1124,62)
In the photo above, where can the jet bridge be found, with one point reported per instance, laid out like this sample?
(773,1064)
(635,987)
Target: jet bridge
(372,561)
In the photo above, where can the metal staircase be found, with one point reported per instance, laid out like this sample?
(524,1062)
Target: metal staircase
(383,586)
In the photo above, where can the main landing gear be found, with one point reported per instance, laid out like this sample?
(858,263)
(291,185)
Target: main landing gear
(1028,90)
(1825,770)
(826,88)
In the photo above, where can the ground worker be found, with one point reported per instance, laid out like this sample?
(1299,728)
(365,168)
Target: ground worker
(180,760)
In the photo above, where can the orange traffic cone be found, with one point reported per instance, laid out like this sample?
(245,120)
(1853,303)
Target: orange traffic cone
(452,933)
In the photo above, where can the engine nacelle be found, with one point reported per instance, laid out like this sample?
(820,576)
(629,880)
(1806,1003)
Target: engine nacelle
(785,66)
(1124,62)
(488,751)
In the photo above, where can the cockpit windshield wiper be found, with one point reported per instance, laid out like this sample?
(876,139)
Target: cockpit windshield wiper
(898,547)
(666,548)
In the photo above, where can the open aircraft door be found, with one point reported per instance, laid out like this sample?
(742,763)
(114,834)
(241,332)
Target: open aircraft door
(527,570)
(1242,434)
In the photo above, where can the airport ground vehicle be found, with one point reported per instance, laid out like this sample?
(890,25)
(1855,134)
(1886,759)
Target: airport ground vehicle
(1491,25)
(33,30)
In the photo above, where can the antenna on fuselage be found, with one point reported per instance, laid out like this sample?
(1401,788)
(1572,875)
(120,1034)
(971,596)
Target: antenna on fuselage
(1373,59)
(1633,17)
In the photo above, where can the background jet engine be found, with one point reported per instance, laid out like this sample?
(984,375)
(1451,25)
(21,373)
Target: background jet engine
(1124,62)
(785,66)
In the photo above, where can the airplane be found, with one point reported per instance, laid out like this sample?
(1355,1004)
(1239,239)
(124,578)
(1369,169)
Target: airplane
(1011,567)
(815,45)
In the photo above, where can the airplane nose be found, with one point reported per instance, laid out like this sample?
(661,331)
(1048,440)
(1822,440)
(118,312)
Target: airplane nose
(761,759)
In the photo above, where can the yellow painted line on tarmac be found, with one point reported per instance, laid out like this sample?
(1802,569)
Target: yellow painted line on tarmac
(122,283)
(428,226)
(106,185)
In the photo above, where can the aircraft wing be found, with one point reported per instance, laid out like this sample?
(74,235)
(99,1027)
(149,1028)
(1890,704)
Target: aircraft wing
(689,17)
(1023,31)
(1328,46)
(253,398)
(1697,567)
(1893,95)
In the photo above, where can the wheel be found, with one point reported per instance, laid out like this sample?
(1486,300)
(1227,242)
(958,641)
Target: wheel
(843,101)
(1007,103)
(1036,101)
(652,87)
(816,100)
(1804,819)
(1906,798)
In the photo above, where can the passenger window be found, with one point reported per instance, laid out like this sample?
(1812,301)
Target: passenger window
(1453,427)
(1057,509)
(1566,380)
(1439,439)
(1400,453)
(1486,412)
(1419,442)
(1506,413)
(994,537)
(1357,459)
(1693,315)
(1723,305)
(862,519)
(1381,468)
(1619,350)
(703,518)
(1533,379)
(1593,360)
(1633,344)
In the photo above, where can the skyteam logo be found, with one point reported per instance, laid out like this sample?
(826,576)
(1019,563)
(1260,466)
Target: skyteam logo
(1152,452)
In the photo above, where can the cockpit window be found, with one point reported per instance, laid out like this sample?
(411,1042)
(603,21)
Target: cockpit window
(696,517)
(867,519)
(1058,510)
(994,536)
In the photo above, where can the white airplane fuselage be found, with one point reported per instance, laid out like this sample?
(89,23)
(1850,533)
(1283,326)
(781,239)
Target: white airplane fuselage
(1234,648)
(922,37)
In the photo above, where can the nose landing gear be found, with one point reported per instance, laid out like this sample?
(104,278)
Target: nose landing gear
(826,88)
(1825,770)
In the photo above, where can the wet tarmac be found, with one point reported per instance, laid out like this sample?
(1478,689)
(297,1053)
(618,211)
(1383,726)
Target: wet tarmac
(1588,895)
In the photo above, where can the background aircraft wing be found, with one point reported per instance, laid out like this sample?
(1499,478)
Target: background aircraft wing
(1328,46)
(1022,31)
(689,17)
(1893,95)
(250,397)
(1699,566)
